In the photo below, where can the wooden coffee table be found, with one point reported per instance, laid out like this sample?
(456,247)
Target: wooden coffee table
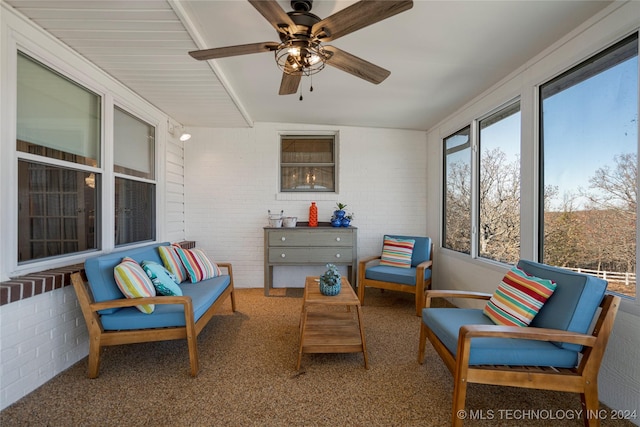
(323,329)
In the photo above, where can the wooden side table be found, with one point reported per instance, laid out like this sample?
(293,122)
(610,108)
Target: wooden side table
(323,330)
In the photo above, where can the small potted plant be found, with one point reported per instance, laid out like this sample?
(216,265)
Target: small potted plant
(339,213)
(330,282)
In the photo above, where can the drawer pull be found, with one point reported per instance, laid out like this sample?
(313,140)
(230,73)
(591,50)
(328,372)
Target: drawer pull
(337,255)
(282,255)
(283,238)
(337,239)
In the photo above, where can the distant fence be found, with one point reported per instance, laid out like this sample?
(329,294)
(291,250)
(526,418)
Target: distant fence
(629,279)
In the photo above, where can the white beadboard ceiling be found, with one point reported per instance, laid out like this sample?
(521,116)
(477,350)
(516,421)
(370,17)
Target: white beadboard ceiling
(440,54)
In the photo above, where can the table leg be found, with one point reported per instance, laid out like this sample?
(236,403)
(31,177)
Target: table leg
(364,345)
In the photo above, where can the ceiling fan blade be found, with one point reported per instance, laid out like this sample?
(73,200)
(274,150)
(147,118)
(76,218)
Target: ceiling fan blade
(243,49)
(276,16)
(357,16)
(353,65)
(290,82)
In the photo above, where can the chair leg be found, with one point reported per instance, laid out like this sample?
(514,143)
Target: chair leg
(422,343)
(590,405)
(94,357)
(459,397)
(361,289)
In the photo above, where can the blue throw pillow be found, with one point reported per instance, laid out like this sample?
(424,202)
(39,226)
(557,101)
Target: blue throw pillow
(164,281)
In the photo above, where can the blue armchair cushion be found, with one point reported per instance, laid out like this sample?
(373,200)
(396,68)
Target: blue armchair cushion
(574,302)
(203,295)
(405,276)
(446,323)
(397,252)
(421,248)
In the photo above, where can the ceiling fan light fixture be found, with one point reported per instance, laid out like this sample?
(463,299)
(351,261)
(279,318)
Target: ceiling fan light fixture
(300,57)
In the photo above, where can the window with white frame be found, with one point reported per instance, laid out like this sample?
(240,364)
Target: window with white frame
(457,191)
(499,185)
(481,206)
(58,150)
(589,159)
(307,163)
(135,187)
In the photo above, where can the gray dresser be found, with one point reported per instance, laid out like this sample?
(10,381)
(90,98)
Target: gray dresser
(304,245)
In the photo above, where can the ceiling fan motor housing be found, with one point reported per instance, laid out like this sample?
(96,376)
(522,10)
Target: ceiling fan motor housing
(301,5)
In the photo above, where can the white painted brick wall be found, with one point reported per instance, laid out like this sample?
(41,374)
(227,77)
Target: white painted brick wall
(40,337)
(231,180)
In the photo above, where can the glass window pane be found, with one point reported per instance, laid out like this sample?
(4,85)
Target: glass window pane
(589,158)
(307,163)
(135,211)
(457,191)
(56,117)
(499,186)
(134,142)
(55,219)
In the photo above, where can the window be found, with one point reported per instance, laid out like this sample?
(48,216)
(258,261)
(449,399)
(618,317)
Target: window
(589,158)
(457,191)
(307,163)
(499,186)
(134,167)
(58,146)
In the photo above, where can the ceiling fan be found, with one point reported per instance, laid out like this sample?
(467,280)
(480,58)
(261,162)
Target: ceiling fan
(301,50)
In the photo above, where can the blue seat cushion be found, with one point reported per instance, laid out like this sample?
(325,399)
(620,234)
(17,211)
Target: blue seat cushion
(384,273)
(573,304)
(203,294)
(446,322)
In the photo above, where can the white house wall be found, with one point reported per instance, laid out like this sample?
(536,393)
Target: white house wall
(619,381)
(43,335)
(231,181)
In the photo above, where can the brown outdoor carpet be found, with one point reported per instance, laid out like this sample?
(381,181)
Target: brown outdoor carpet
(248,378)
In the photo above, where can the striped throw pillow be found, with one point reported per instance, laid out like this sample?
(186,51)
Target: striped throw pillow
(134,283)
(172,262)
(397,252)
(198,266)
(518,299)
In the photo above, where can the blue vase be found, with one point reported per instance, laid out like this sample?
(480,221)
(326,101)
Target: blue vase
(345,222)
(336,222)
(339,214)
(330,289)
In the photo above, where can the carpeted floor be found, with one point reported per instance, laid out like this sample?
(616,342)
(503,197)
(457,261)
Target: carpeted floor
(248,378)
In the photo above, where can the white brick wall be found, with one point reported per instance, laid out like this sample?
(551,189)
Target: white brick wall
(231,180)
(40,337)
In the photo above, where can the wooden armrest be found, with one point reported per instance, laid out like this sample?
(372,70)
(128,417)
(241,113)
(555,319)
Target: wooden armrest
(425,264)
(437,293)
(132,302)
(529,333)
(366,260)
(226,265)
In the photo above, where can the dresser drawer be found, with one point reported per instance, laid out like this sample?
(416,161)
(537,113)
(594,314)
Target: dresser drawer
(333,255)
(288,255)
(310,238)
(310,255)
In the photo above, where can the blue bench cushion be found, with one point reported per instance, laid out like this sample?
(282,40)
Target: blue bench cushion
(573,304)
(99,271)
(406,276)
(203,294)
(446,323)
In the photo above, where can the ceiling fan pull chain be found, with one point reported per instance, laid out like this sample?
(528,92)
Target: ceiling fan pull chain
(311,86)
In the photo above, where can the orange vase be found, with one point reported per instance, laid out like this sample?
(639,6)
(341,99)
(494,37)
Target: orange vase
(313,215)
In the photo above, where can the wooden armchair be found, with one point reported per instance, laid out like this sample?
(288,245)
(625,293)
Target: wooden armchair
(477,351)
(415,279)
